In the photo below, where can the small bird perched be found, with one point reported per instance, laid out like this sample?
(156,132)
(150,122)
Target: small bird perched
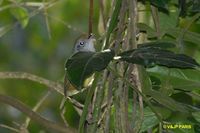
(82,44)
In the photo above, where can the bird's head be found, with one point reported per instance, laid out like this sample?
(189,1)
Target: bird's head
(85,44)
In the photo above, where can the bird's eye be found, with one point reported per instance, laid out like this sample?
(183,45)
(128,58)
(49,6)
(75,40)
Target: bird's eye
(81,43)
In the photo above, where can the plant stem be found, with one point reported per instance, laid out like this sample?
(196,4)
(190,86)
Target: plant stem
(87,102)
(90,26)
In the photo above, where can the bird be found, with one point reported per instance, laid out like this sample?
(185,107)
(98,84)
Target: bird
(82,44)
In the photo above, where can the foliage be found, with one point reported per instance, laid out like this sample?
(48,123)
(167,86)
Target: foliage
(83,64)
(163,89)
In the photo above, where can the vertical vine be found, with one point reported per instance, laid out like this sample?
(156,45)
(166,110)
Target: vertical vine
(90,22)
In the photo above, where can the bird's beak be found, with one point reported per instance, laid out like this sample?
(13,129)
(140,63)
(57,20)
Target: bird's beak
(91,37)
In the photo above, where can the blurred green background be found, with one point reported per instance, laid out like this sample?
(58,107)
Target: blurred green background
(39,43)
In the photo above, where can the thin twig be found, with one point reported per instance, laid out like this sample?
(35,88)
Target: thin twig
(109,103)
(47,21)
(101,3)
(134,69)
(75,103)
(90,26)
(10,128)
(63,110)
(103,114)
(35,116)
(65,24)
(136,73)
(52,85)
(22,75)
(37,106)
(87,102)
(117,101)
(97,103)
(120,26)
(56,86)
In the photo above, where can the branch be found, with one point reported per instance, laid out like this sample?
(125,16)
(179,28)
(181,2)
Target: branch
(35,116)
(90,17)
(109,102)
(22,75)
(10,128)
(56,86)
(101,4)
(134,71)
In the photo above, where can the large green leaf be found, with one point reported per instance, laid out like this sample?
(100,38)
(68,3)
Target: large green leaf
(151,56)
(150,120)
(189,36)
(167,20)
(83,64)
(151,33)
(168,102)
(163,98)
(181,79)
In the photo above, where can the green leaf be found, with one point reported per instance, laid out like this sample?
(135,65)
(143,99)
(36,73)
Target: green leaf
(5,29)
(188,36)
(21,14)
(159,3)
(114,18)
(196,116)
(161,97)
(181,79)
(150,119)
(167,21)
(71,115)
(145,79)
(113,21)
(155,56)
(158,44)
(151,33)
(83,64)
(168,102)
